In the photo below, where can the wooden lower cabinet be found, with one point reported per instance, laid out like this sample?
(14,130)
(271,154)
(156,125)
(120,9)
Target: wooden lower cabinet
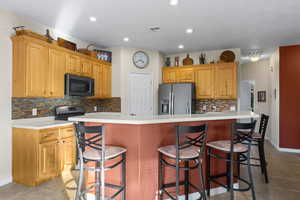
(48,156)
(40,155)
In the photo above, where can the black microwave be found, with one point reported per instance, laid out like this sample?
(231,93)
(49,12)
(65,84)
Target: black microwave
(78,86)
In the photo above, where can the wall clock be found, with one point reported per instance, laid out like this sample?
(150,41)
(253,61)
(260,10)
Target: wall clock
(140,59)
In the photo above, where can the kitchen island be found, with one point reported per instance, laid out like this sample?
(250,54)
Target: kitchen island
(142,136)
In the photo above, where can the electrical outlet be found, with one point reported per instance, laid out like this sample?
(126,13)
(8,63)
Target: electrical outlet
(232,108)
(95,108)
(34,111)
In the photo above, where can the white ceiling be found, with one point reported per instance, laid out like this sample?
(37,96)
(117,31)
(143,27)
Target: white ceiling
(217,24)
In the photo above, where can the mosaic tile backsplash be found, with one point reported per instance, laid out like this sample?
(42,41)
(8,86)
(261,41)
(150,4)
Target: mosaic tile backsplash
(22,107)
(221,104)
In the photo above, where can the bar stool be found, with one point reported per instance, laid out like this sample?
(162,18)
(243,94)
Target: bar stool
(258,139)
(236,151)
(91,148)
(190,147)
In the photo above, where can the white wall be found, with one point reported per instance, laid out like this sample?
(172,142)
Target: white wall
(7,21)
(260,73)
(274,133)
(122,65)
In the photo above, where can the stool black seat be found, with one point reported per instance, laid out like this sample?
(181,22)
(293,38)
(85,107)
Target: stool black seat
(237,150)
(189,149)
(91,148)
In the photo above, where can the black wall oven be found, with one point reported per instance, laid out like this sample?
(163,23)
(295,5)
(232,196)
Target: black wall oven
(78,86)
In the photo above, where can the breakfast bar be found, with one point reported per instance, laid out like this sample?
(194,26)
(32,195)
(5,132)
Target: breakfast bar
(142,136)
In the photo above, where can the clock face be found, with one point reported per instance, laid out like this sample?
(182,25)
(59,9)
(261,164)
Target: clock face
(140,59)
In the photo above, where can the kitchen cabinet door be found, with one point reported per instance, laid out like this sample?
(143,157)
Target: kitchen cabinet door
(185,75)
(73,64)
(48,160)
(106,81)
(97,76)
(36,69)
(57,69)
(87,68)
(225,81)
(204,81)
(169,75)
(67,153)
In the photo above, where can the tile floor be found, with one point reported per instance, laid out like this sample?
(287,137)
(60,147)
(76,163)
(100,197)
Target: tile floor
(284,175)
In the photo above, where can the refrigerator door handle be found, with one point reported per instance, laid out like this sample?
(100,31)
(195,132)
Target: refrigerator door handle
(188,110)
(170,103)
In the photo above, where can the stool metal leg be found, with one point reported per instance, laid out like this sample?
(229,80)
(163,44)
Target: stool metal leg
(161,177)
(203,194)
(98,181)
(228,170)
(186,180)
(208,171)
(177,178)
(250,172)
(264,163)
(231,176)
(123,183)
(80,181)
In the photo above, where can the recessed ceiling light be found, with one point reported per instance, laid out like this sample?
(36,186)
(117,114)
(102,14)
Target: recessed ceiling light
(126,39)
(93,19)
(181,46)
(189,30)
(173,2)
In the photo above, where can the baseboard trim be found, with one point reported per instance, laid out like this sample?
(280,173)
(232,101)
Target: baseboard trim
(213,192)
(289,150)
(5,181)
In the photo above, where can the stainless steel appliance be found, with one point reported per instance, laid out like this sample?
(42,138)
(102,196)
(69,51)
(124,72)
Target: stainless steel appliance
(63,112)
(78,85)
(177,98)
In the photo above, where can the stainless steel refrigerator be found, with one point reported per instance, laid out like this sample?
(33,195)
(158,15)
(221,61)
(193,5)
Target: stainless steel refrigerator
(177,98)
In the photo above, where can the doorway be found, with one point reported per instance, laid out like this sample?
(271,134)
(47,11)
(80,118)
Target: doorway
(140,94)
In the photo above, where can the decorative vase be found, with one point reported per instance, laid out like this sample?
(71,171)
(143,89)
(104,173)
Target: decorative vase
(177,61)
(202,58)
(168,61)
(187,60)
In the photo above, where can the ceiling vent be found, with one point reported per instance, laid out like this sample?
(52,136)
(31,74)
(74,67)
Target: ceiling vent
(154,29)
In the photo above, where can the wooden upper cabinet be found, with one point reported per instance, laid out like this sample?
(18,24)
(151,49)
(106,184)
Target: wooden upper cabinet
(212,81)
(97,76)
(39,69)
(226,81)
(185,74)
(204,81)
(106,81)
(36,64)
(57,69)
(170,74)
(73,64)
(87,68)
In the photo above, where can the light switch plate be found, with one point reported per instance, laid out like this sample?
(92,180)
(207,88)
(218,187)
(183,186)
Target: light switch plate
(34,111)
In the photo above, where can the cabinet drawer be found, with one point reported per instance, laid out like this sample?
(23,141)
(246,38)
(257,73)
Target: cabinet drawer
(49,135)
(67,132)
